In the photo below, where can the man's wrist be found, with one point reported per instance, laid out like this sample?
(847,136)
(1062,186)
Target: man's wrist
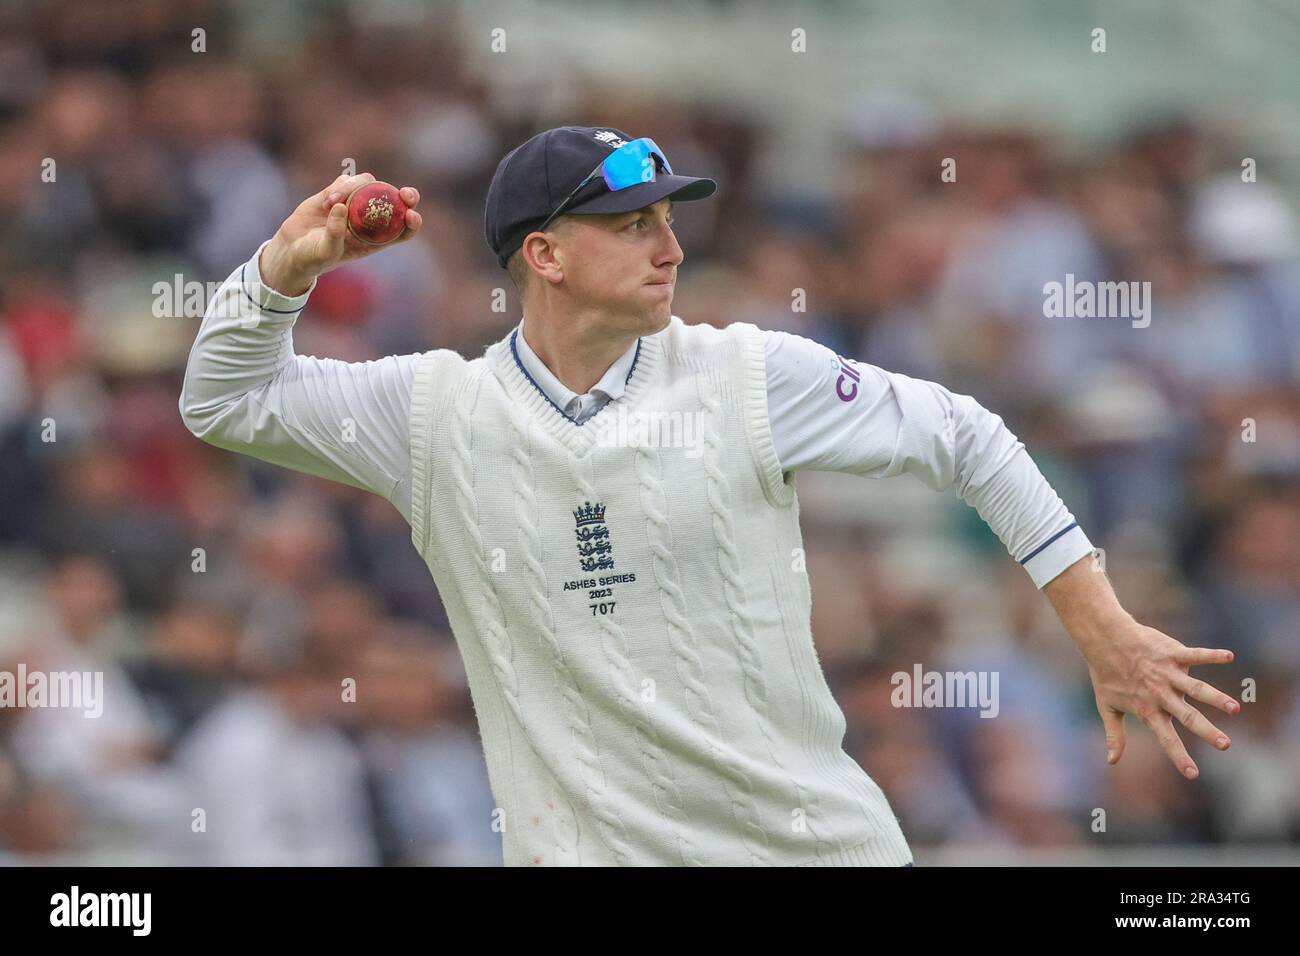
(1095,630)
(275,274)
(1086,603)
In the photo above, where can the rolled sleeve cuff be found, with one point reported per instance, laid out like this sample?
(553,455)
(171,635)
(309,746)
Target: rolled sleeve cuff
(1056,554)
(263,296)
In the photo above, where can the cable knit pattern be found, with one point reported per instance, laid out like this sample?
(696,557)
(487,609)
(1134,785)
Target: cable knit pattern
(734,589)
(636,642)
(496,639)
(575,707)
(689,666)
(615,645)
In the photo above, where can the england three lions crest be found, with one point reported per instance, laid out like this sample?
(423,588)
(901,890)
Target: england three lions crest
(595,552)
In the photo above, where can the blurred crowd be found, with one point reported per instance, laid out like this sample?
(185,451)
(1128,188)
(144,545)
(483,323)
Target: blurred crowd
(229,603)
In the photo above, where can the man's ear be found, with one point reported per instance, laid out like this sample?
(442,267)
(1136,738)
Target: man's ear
(543,255)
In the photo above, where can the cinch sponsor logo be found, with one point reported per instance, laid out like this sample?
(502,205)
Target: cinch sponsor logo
(846,386)
(102,909)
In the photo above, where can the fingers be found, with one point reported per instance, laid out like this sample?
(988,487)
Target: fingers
(411,196)
(1196,722)
(413,222)
(1199,690)
(341,188)
(1192,656)
(335,230)
(331,188)
(356,182)
(1113,721)
(1163,727)
(332,202)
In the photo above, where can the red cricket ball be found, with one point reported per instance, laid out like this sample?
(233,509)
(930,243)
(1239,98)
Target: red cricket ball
(376,213)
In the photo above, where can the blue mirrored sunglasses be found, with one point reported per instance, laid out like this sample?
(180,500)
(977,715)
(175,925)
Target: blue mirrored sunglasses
(631,164)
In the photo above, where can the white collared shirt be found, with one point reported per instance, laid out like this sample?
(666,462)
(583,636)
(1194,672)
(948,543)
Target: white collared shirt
(578,407)
(246,390)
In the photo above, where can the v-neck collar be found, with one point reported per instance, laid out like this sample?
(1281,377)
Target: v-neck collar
(578,437)
(611,385)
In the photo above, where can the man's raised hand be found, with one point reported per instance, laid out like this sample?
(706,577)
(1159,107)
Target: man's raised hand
(315,238)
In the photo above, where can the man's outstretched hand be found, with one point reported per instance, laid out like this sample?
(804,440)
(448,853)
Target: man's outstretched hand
(1136,669)
(1141,671)
(314,239)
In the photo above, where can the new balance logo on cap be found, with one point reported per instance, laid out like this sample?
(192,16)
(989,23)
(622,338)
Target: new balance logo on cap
(613,139)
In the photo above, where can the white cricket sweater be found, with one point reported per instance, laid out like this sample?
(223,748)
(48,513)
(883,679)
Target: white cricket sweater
(635,632)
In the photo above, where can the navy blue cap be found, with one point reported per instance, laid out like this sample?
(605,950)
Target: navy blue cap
(536,176)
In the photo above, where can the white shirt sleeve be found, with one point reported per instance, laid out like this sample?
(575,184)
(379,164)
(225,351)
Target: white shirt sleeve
(832,414)
(245,390)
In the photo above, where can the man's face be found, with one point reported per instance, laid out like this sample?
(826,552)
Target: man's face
(624,264)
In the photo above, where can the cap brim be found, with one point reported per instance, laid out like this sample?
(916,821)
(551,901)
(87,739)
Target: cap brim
(676,188)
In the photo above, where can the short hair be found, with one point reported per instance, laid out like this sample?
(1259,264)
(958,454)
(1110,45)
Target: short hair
(518,270)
